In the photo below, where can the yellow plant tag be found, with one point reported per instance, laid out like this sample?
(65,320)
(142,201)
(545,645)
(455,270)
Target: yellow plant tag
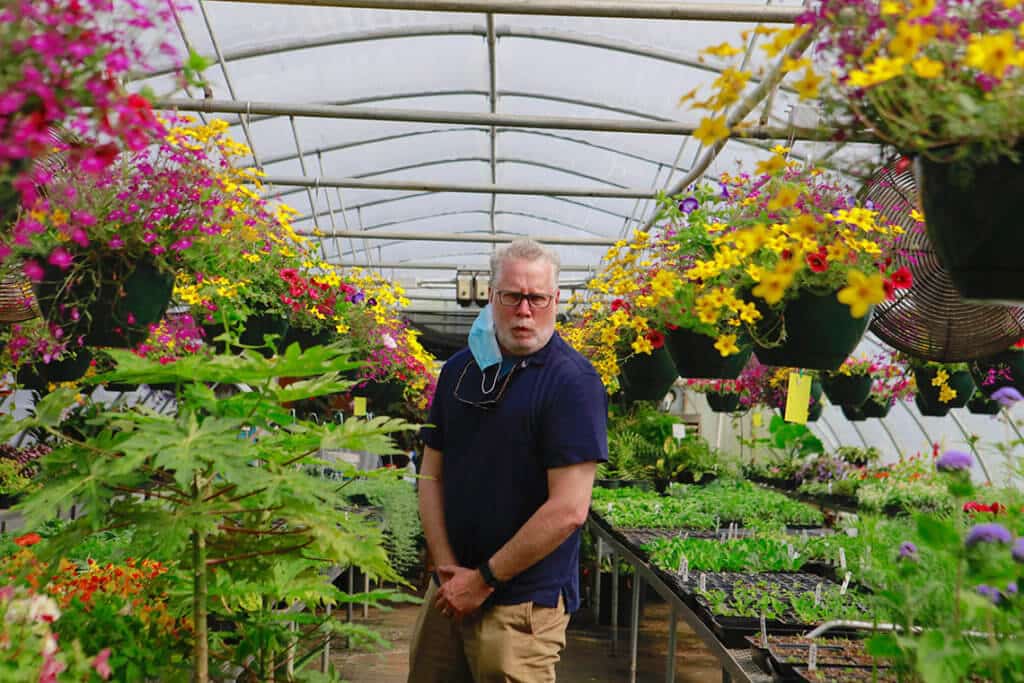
(798,398)
(756,419)
(359,406)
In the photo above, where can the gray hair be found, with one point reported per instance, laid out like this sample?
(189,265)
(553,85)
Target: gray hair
(523,250)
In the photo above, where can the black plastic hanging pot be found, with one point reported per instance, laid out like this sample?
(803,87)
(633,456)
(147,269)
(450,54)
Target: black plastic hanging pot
(929,410)
(960,381)
(257,327)
(723,403)
(39,376)
(853,413)
(1004,369)
(981,405)
(816,330)
(647,377)
(873,408)
(695,356)
(847,390)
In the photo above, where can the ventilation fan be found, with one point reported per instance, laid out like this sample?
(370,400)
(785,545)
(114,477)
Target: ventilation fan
(929,320)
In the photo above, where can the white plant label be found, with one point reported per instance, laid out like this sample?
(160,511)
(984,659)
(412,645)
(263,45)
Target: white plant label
(846,583)
(817,594)
(812,657)
(703,582)
(842,559)
(684,568)
(678,430)
(764,632)
(830,488)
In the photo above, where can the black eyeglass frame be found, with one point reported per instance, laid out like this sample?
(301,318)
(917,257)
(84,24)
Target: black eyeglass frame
(502,294)
(489,403)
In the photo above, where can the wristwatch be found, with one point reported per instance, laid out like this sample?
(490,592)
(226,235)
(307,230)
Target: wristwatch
(489,578)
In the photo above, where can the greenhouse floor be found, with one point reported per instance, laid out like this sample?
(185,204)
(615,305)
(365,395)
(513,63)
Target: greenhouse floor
(587,657)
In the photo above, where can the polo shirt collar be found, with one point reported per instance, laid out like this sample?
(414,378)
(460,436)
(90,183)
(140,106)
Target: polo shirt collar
(540,357)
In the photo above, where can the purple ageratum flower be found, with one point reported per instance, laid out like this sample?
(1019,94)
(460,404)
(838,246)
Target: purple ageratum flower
(1007,396)
(989,533)
(990,592)
(1011,588)
(1018,550)
(908,551)
(954,461)
(689,205)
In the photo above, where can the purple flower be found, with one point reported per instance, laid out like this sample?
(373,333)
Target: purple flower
(908,551)
(689,205)
(1011,588)
(954,461)
(61,258)
(1018,550)
(724,193)
(990,592)
(989,533)
(1007,396)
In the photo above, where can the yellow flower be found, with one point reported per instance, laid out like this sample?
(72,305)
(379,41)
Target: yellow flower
(726,345)
(940,378)
(891,7)
(749,313)
(927,68)
(770,166)
(862,292)
(772,287)
(711,130)
(917,215)
(992,54)
(642,345)
(880,70)
(721,50)
(808,86)
(921,8)
(947,393)
(804,225)
(251,258)
(784,198)
(342,328)
(907,41)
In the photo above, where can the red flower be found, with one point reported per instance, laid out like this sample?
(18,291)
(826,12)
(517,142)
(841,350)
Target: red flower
(890,290)
(27,540)
(902,164)
(656,338)
(619,303)
(902,279)
(1019,344)
(817,262)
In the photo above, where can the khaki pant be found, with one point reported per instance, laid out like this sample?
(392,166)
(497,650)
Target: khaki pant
(503,644)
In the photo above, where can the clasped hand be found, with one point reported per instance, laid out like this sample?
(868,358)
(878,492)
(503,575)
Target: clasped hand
(462,591)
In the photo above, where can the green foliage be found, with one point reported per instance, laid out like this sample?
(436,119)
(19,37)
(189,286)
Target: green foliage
(734,555)
(13,481)
(858,456)
(401,518)
(249,522)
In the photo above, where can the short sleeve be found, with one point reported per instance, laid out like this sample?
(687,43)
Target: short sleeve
(575,422)
(433,434)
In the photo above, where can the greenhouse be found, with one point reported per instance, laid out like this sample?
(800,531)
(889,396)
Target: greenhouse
(473,341)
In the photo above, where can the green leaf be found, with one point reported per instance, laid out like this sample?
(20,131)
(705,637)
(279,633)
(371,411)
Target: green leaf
(883,645)
(938,534)
(52,406)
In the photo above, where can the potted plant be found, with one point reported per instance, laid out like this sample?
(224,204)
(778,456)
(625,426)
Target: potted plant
(723,395)
(783,257)
(980,404)
(1005,369)
(938,81)
(853,413)
(942,384)
(850,385)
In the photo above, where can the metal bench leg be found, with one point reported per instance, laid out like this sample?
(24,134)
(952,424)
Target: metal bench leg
(615,603)
(670,657)
(634,634)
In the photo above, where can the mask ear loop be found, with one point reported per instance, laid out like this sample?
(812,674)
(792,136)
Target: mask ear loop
(483,377)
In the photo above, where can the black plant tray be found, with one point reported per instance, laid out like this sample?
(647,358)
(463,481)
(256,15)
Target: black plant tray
(731,630)
(789,484)
(838,674)
(773,659)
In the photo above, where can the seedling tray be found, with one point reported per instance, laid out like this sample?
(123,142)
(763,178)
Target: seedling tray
(785,654)
(835,674)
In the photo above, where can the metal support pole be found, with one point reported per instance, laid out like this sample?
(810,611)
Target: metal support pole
(634,633)
(604,125)
(670,656)
(927,436)
(597,580)
(366,589)
(325,656)
(309,190)
(615,602)
(493,100)
(635,9)
(860,434)
(482,237)
(892,438)
(718,435)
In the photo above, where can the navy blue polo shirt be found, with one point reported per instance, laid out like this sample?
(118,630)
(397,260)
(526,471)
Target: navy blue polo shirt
(552,413)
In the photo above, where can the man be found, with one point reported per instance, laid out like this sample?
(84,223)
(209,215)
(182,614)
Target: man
(518,427)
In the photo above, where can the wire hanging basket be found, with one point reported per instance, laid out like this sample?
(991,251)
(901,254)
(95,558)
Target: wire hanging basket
(17,300)
(930,321)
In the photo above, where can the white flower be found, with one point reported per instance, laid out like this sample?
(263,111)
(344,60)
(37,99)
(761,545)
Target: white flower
(43,608)
(389,341)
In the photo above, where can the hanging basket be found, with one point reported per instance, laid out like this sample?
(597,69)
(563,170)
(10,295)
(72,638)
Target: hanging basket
(873,408)
(816,331)
(972,213)
(982,405)
(257,327)
(1004,369)
(960,381)
(847,390)
(122,301)
(17,302)
(647,377)
(71,367)
(929,410)
(723,403)
(307,339)
(696,357)
(853,413)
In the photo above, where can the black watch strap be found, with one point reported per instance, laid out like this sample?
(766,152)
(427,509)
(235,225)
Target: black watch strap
(489,578)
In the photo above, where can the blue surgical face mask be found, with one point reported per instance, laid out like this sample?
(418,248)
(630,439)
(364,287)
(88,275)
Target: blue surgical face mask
(483,343)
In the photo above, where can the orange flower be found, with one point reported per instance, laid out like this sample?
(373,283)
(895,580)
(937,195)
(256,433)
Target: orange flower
(28,540)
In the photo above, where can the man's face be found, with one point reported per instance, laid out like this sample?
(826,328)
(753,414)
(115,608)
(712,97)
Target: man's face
(522,330)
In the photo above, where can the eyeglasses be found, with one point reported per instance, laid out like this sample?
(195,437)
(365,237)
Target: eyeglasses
(489,403)
(513,299)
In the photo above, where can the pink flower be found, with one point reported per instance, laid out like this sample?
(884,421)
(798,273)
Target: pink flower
(33,271)
(61,258)
(101,663)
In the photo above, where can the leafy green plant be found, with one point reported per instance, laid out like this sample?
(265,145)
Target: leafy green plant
(401,518)
(740,501)
(858,456)
(253,528)
(788,445)
(734,555)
